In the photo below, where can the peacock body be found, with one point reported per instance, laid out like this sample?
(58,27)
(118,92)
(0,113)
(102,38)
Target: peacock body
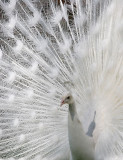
(45,44)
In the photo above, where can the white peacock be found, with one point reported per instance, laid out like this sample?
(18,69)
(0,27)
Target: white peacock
(43,45)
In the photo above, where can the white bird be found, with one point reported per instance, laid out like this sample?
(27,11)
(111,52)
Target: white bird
(43,45)
(81,146)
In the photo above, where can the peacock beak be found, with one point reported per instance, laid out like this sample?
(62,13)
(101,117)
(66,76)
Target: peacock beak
(62,103)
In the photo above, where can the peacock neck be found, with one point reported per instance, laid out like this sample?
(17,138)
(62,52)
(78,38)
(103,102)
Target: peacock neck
(80,144)
(72,110)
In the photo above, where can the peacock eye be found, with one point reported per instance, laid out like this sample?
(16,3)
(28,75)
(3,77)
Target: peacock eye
(68,97)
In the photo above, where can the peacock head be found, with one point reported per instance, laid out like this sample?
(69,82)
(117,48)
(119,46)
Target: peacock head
(68,99)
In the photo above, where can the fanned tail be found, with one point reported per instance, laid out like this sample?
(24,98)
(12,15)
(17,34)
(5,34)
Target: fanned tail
(43,45)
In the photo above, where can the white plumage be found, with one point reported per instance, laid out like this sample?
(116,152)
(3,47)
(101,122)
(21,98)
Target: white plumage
(43,45)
